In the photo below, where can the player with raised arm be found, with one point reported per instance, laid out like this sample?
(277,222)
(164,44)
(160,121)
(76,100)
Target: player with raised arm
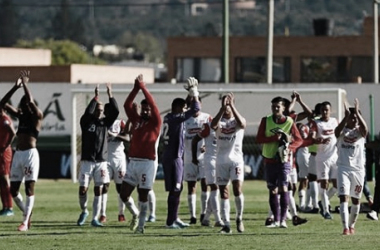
(229,125)
(142,167)
(172,159)
(193,172)
(117,164)
(94,155)
(351,133)
(26,161)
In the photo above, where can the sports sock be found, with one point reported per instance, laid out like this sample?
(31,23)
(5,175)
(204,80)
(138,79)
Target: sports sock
(284,202)
(130,205)
(355,209)
(104,204)
(292,204)
(344,214)
(121,205)
(143,213)
(215,205)
(152,203)
(274,206)
(83,202)
(331,192)
(96,204)
(302,197)
(20,204)
(324,200)
(239,204)
(192,201)
(225,210)
(29,204)
(314,193)
(204,199)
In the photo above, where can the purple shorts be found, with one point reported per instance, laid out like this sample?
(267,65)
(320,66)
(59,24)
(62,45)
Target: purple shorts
(173,174)
(277,174)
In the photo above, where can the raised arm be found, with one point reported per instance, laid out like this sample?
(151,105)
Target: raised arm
(362,124)
(128,104)
(338,130)
(114,109)
(25,80)
(306,110)
(4,101)
(239,118)
(90,109)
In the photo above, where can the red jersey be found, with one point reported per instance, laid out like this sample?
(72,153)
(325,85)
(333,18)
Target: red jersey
(6,134)
(144,133)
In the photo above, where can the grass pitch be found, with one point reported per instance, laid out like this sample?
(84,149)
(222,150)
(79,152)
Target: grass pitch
(56,211)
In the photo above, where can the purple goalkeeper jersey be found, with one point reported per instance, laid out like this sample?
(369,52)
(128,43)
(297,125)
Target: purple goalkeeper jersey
(174,132)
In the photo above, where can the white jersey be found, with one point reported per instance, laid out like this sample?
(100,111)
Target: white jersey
(351,150)
(325,130)
(192,127)
(229,141)
(209,137)
(116,146)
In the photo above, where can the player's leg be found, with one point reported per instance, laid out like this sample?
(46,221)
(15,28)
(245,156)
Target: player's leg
(85,173)
(101,177)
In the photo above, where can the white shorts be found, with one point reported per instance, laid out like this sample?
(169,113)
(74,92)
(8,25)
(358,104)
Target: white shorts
(190,172)
(141,172)
(93,170)
(229,171)
(25,165)
(312,165)
(350,183)
(327,169)
(302,159)
(210,171)
(293,176)
(116,169)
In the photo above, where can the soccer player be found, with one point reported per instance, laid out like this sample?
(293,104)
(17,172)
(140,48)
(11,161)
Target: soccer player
(94,155)
(192,171)
(279,135)
(26,161)
(209,159)
(323,135)
(7,134)
(173,136)
(229,125)
(117,164)
(141,168)
(351,133)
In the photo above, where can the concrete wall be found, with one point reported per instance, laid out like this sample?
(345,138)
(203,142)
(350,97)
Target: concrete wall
(20,57)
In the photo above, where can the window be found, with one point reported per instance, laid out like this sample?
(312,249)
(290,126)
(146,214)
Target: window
(253,69)
(204,69)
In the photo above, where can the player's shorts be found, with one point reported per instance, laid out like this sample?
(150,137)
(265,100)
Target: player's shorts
(312,165)
(229,171)
(210,171)
(5,161)
(93,170)
(327,169)
(277,174)
(141,172)
(302,159)
(190,171)
(25,165)
(116,169)
(350,183)
(293,177)
(173,174)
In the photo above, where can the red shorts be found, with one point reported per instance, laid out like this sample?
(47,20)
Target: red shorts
(5,162)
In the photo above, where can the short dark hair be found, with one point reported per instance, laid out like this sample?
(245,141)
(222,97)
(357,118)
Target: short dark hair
(178,102)
(144,102)
(279,99)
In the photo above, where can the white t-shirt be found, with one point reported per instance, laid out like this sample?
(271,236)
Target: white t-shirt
(192,127)
(325,130)
(351,150)
(116,146)
(229,141)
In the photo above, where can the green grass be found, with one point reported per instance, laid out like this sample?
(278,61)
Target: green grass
(56,212)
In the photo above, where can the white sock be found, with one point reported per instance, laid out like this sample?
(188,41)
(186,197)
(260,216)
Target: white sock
(225,210)
(96,204)
(292,204)
(209,211)
(20,204)
(215,205)
(143,213)
(302,197)
(29,204)
(308,199)
(314,193)
(355,209)
(239,204)
(121,205)
(325,200)
(152,203)
(344,214)
(192,201)
(83,202)
(331,192)
(204,199)
(104,204)
(130,205)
